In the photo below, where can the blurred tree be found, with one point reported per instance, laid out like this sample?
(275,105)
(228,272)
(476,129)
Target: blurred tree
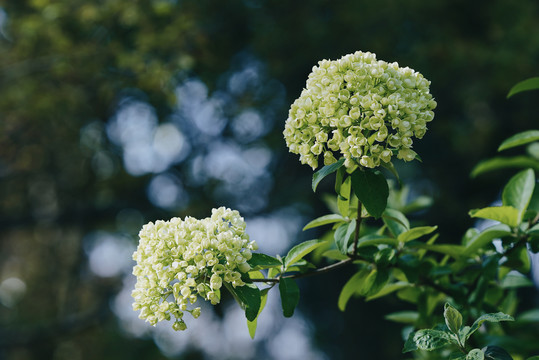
(67,67)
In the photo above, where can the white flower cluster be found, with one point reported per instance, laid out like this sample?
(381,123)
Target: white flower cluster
(179,260)
(365,109)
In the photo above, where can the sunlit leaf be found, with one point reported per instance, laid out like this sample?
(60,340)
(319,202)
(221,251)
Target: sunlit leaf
(415,233)
(505,214)
(352,286)
(518,191)
(486,237)
(453,318)
(324,220)
(343,236)
(498,163)
(395,221)
(426,339)
(493,317)
(388,289)
(525,85)
(300,250)
(475,354)
(522,138)
(404,317)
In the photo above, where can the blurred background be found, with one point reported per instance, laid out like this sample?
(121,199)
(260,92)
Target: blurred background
(114,113)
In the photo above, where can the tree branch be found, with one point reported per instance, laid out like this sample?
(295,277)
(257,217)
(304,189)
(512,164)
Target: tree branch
(310,273)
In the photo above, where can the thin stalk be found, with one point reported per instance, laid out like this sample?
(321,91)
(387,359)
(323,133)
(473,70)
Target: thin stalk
(322,270)
(358,226)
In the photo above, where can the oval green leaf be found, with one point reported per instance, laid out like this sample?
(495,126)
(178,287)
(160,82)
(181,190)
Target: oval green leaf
(395,221)
(351,287)
(262,261)
(525,85)
(289,295)
(505,214)
(325,171)
(518,191)
(485,237)
(370,187)
(522,138)
(324,220)
(416,233)
(498,163)
(300,250)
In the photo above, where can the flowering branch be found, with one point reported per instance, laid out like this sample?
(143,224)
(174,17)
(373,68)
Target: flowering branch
(319,271)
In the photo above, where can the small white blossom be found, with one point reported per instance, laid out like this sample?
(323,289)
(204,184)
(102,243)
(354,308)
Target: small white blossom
(180,260)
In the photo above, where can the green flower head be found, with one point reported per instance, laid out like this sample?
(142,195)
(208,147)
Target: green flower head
(181,260)
(360,108)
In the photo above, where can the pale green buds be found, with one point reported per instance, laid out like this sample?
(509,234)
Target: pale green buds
(186,259)
(353,104)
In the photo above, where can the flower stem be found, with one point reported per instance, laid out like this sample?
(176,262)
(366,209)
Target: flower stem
(310,273)
(358,226)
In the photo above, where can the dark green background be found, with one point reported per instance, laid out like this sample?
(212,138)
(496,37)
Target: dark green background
(67,67)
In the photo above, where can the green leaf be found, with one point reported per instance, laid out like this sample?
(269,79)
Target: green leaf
(416,233)
(453,318)
(496,353)
(529,316)
(300,250)
(404,317)
(515,280)
(375,281)
(389,166)
(370,187)
(395,221)
(518,191)
(426,339)
(485,237)
(251,325)
(375,239)
(498,163)
(324,220)
(289,295)
(522,138)
(454,251)
(248,297)
(475,354)
(493,317)
(536,357)
(505,214)
(388,289)
(325,171)
(262,261)
(352,286)
(343,236)
(343,197)
(525,85)
(334,254)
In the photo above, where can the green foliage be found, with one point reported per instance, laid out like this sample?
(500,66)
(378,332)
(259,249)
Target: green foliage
(525,85)
(289,295)
(519,139)
(455,335)
(325,171)
(370,187)
(299,251)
